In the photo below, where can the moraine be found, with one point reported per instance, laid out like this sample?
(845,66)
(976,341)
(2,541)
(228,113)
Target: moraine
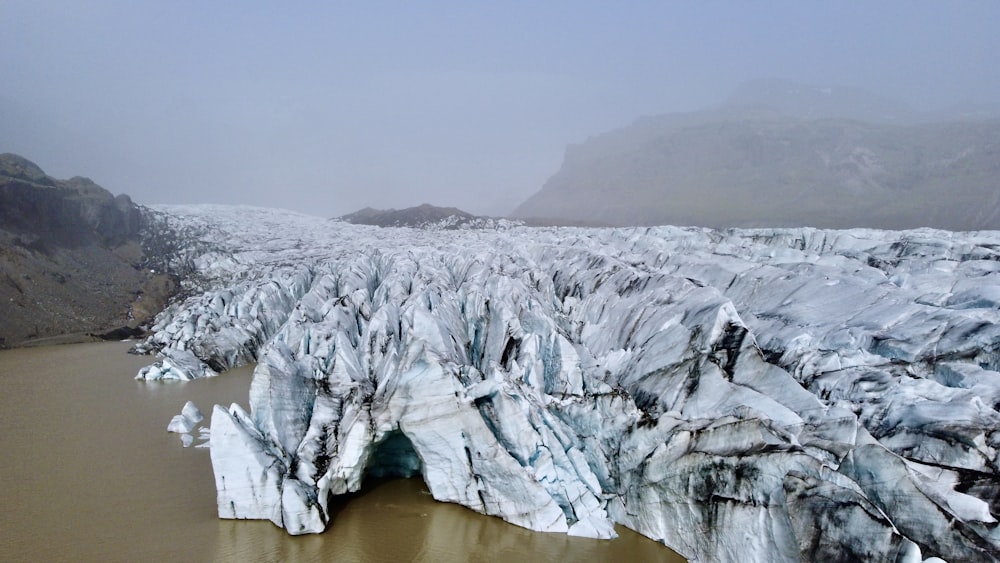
(769,395)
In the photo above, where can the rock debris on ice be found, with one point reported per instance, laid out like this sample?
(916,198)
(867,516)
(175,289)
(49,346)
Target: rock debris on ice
(752,395)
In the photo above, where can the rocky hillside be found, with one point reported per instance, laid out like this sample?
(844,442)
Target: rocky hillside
(750,166)
(424,216)
(71,258)
(428,216)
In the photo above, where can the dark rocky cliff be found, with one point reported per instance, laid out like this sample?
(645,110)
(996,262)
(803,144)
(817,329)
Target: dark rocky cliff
(71,212)
(71,259)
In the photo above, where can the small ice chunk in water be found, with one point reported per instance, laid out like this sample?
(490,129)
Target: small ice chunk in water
(191,412)
(186,421)
(205,435)
(180,424)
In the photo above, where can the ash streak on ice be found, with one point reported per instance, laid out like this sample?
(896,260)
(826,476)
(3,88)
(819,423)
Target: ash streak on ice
(742,395)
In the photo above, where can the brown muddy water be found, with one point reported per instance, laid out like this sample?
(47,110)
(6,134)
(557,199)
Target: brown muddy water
(88,472)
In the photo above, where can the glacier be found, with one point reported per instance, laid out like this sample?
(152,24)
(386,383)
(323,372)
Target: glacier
(751,395)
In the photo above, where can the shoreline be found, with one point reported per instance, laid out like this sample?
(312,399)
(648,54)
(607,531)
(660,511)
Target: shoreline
(75,338)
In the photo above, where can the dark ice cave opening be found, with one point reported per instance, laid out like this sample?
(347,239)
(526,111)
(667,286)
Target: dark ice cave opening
(393,457)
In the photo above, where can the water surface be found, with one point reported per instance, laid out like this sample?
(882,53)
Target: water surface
(88,472)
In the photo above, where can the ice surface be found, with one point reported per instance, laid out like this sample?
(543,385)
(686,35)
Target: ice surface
(185,422)
(177,364)
(751,395)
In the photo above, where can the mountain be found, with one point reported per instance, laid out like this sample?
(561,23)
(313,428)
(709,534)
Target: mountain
(819,160)
(71,258)
(419,216)
(739,395)
(424,216)
(428,216)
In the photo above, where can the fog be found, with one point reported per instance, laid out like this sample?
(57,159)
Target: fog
(329,107)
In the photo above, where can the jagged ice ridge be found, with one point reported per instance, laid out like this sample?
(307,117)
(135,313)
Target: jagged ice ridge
(768,395)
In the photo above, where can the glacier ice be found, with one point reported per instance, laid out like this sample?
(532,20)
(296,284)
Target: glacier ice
(753,395)
(185,422)
(177,364)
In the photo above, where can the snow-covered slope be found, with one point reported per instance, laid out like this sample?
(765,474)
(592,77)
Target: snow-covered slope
(762,395)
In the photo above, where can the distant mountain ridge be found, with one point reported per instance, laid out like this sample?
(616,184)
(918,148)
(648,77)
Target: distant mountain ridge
(745,164)
(424,216)
(428,216)
(814,101)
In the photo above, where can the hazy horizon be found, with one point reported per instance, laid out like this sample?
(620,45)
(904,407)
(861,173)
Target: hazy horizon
(328,109)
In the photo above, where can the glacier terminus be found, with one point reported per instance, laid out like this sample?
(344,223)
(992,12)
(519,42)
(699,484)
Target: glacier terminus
(750,395)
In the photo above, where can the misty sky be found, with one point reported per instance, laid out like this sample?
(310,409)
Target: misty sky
(327,107)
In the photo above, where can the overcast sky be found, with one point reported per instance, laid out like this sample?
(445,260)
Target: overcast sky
(326,107)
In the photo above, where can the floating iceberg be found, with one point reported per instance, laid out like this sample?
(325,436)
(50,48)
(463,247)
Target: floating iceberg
(185,422)
(177,364)
(752,395)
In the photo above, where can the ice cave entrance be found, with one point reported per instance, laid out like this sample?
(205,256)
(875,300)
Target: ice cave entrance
(393,457)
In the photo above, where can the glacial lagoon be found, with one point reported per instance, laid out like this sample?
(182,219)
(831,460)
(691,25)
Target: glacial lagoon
(89,472)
